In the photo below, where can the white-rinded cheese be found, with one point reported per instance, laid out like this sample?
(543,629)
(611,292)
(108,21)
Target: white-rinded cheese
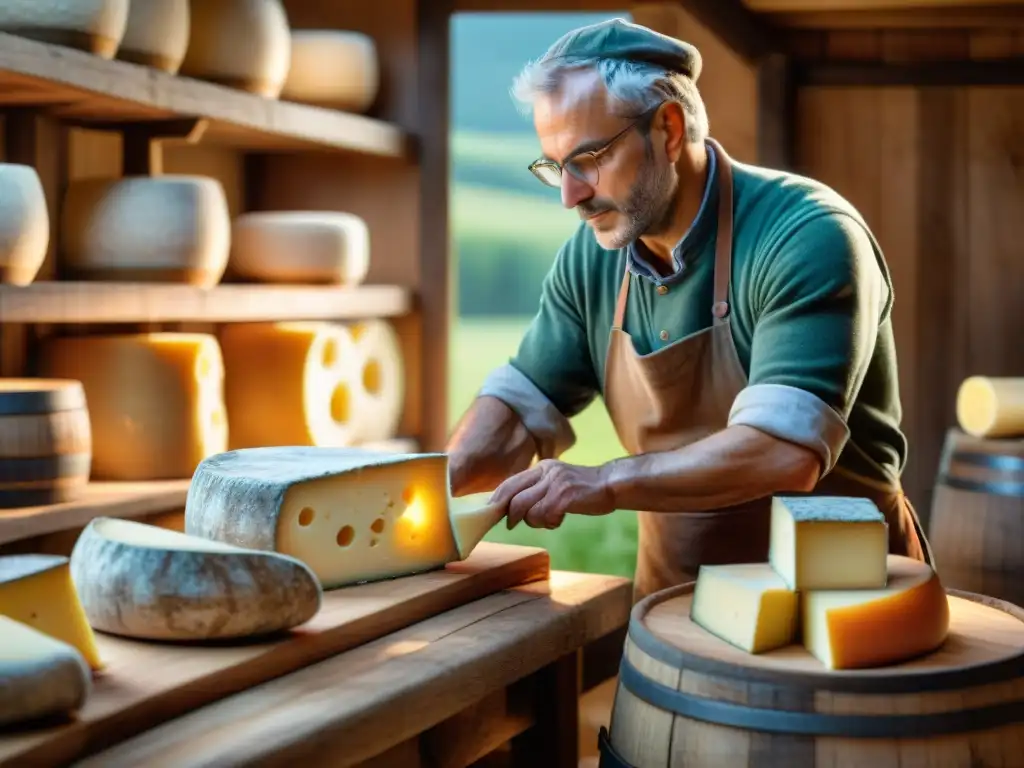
(991,407)
(378,391)
(874,627)
(39,676)
(37,590)
(351,515)
(747,605)
(157,34)
(172,228)
(472,518)
(333,68)
(300,247)
(24,224)
(149,582)
(96,26)
(828,542)
(244,44)
(156,400)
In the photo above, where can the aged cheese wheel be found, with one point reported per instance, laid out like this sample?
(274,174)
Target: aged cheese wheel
(156,404)
(24,224)
(160,229)
(993,407)
(45,442)
(39,676)
(244,44)
(195,589)
(300,247)
(157,34)
(96,26)
(378,389)
(333,68)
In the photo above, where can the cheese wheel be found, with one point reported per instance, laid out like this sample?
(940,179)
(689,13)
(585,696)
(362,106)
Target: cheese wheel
(333,68)
(351,515)
(37,590)
(156,400)
(300,247)
(991,407)
(172,228)
(378,386)
(39,676)
(147,582)
(24,224)
(244,44)
(96,26)
(157,34)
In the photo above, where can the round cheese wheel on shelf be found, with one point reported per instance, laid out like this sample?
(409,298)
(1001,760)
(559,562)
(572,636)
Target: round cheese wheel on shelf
(379,389)
(172,228)
(157,34)
(24,224)
(333,68)
(991,406)
(96,26)
(300,247)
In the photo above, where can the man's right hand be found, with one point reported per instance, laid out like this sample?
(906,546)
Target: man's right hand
(489,445)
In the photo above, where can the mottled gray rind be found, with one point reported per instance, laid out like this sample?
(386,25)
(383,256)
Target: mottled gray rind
(170,594)
(14,567)
(41,687)
(831,509)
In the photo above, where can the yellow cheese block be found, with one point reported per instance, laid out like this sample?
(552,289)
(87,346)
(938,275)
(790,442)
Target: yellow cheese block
(24,224)
(472,518)
(379,387)
(874,627)
(96,26)
(333,68)
(37,590)
(828,542)
(156,400)
(991,407)
(748,605)
(351,515)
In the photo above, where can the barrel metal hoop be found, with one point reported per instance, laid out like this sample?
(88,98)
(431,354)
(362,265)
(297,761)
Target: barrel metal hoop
(1013,490)
(813,723)
(989,461)
(609,757)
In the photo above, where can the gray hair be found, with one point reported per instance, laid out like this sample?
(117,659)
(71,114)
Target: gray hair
(634,88)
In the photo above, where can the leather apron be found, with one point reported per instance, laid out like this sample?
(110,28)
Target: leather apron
(683,392)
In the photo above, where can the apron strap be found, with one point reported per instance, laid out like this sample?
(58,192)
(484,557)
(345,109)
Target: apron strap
(723,241)
(620,304)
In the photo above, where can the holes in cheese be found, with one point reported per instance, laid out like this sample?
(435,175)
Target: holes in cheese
(379,393)
(157,34)
(24,224)
(991,407)
(300,247)
(908,617)
(828,542)
(333,68)
(96,26)
(320,505)
(149,582)
(39,676)
(169,228)
(155,400)
(37,590)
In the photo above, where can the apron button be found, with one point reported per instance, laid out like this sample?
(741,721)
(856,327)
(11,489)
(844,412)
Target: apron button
(720,310)
(664,335)
(662,289)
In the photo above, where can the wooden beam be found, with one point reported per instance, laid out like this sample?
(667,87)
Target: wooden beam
(921,74)
(776,112)
(744,32)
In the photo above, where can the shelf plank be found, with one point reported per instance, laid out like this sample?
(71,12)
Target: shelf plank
(97,302)
(81,87)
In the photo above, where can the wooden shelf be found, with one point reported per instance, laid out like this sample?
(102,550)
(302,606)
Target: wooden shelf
(89,302)
(86,89)
(120,500)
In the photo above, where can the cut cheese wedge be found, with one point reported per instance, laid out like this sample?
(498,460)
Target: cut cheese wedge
(39,676)
(352,515)
(871,628)
(748,605)
(828,542)
(37,590)
(991,407)
(148,582)
(472,518)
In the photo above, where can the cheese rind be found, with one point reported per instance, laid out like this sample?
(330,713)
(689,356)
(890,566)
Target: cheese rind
(24,224)
(148,582)
(747,605)
(991,407)
(871,628)
(39,676)
(38,590)
(828,542)
(351,515)
(472,518)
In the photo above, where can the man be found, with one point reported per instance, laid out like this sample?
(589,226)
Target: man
(735,320)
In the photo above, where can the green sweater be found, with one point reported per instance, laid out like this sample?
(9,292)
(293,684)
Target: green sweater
(810,298)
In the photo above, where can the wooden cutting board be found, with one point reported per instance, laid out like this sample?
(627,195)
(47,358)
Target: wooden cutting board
(145,684)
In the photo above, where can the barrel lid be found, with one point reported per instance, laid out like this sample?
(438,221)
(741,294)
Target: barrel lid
(21,397)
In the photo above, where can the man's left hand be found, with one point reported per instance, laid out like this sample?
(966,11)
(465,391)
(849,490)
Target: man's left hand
(542,495)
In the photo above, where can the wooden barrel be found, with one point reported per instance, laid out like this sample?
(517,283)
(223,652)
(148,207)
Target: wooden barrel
(687,699)
(45,442)
(976,526)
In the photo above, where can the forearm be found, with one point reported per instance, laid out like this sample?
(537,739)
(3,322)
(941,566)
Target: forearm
(737,465)
(489,444)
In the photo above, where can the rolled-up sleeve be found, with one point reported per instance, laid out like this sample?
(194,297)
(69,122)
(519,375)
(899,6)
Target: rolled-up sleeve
(819,304)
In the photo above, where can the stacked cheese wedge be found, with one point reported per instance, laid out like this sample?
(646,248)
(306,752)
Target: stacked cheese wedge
(830,585)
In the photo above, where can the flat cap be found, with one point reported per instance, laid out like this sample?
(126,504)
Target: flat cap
(621,39)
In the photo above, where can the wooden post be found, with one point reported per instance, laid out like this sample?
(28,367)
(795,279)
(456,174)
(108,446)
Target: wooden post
(776,112)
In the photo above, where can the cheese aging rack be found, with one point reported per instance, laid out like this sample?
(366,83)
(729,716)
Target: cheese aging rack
(72,114)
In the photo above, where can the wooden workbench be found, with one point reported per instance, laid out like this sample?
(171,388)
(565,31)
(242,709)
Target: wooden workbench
(498,678)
